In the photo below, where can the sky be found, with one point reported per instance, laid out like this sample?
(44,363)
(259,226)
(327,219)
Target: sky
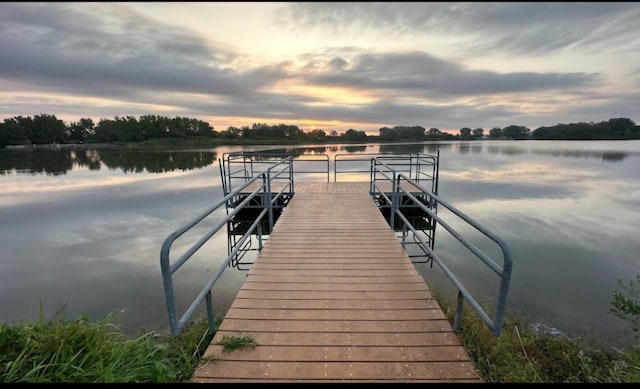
(329,66)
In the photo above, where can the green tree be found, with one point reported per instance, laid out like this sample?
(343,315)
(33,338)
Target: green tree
(478,133)
(354,135)
(495,132)
(105,131)
(12,133)
(79,131)
(516,132)
(317,134)
(620,126)
(465,133)
(388,134)
(231,133)
(47,129)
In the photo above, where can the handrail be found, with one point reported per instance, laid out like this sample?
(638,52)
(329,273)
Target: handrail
(413,164)
(177,323)
(250,161)
(503,272)
(371,156)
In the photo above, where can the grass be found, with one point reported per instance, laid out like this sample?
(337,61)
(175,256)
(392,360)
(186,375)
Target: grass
(87,352)
(522,355)
(231,343)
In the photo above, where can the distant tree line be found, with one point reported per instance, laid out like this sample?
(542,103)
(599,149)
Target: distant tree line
(47,129)
(620,128)
(617,128)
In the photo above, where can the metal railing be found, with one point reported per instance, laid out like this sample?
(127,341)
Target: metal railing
(406,188)
(239,167)
(416,165)
(358,160)
(413,165)
(263,189)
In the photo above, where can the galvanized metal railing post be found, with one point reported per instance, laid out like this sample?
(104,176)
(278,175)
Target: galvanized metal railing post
(404,234)
(434,181)
(394,201)
(457,319)
(211,317)
(291,174)
(504,289)
(266,179)
(372,176)
(169,294)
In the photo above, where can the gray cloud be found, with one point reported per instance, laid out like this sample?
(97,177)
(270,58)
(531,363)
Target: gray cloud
(531,28)
(423,74)
(109,52)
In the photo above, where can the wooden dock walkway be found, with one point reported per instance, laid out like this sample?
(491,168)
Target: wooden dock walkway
(333,297)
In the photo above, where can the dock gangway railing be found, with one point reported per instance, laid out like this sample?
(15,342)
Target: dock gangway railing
(421,167)
(407,188)
(239,167)
(236,168)
(262,183)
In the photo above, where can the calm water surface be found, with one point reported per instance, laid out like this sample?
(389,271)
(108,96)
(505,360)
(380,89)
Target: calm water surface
(81,230)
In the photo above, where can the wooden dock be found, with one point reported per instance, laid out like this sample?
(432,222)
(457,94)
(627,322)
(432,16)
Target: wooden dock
(333,297)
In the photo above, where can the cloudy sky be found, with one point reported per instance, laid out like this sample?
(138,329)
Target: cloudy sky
(332,66)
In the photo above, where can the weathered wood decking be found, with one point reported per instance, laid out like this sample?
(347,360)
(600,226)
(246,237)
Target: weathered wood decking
(333,297)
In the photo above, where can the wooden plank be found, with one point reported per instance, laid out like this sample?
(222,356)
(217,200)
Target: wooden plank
(345,354)
(250,325)
(359,295)
(319,265)
(355,339)
(252,285)
(363,279)
(334,304)
(331,272)
(335,314)
(402,371)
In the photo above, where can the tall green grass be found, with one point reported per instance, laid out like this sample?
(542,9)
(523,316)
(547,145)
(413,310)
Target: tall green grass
(522,355)
(86,352)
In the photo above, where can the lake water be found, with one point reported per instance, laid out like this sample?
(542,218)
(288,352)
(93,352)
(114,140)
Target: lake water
(81,230)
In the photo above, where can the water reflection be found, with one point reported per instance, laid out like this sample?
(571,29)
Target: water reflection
(83,228)
(402,148)
(59,162)
(607,156)
(506,150)
(355,149)
(50,162)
